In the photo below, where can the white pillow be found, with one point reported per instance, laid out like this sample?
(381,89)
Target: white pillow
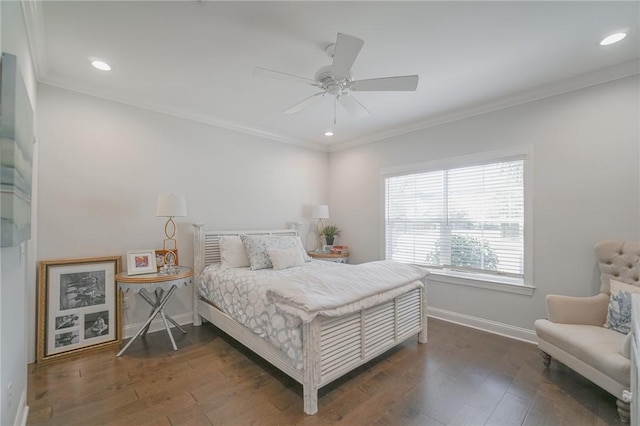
(257,246)
(232,252)
(619,312)
(285,258)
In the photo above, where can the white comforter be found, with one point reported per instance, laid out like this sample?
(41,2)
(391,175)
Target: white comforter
(339,291)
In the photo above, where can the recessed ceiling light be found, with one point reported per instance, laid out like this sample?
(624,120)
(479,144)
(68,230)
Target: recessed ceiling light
(328,133)
(101,65)
(613,38)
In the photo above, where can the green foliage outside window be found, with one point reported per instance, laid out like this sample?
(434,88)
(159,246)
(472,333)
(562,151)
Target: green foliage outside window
(467,252)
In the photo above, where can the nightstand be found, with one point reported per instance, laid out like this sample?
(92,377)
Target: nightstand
(161,287)
(330,257)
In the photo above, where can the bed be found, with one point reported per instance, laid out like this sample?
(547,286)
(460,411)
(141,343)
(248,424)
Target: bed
(331,346)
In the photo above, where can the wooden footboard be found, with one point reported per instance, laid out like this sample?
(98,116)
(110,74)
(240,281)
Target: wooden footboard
(332,346)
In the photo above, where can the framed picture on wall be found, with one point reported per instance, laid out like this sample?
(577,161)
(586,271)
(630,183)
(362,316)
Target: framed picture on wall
(17,139)
(79,306)
(141,262)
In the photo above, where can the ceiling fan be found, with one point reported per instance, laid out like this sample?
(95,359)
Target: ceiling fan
(336,79)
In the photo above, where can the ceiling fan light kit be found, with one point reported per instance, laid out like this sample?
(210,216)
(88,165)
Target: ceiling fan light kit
(336,79)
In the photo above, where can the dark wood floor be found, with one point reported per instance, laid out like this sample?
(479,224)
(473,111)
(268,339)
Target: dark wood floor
(461,377)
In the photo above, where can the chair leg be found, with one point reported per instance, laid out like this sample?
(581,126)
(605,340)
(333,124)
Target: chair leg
(546,358)
(623,411)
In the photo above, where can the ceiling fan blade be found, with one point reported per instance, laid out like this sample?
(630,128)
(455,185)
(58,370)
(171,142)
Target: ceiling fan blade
(282,76)
(353,107)
(346,51)
(400,83)
(304,103)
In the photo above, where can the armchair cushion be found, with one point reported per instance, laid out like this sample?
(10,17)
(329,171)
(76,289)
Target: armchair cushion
(595,345)
(578,310)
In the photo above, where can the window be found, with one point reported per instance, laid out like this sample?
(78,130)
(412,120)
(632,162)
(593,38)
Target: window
(466,216)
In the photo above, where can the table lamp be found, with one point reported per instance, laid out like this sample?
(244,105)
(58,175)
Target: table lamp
(321,211)
(171,206)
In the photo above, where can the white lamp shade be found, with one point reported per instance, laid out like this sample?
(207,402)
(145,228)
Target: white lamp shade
(320,212)
(171,205)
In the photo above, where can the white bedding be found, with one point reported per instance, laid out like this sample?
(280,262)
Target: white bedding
(340,291)
(301,293)
(241,293)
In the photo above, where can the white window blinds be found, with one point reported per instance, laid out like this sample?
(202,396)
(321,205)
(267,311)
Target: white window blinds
(469,218)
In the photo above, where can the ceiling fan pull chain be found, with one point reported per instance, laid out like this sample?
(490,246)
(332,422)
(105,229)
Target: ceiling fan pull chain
(335,101)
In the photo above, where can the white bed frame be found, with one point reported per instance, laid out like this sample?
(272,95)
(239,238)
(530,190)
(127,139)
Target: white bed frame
(332,346)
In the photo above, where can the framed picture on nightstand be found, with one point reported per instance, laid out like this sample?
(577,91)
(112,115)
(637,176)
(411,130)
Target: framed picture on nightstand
(168,257)
(141,262)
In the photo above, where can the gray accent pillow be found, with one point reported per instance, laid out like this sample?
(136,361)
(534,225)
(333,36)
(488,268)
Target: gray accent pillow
(619,312)
(257,246)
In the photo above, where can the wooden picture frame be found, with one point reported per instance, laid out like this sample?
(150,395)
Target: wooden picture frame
(79,306)
(141,262)
(161,257)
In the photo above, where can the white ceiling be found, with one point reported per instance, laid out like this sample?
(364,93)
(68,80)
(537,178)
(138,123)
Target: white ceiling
(195,59)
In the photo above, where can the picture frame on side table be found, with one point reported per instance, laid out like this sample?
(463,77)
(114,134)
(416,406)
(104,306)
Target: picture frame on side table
(79,306)
(165,256)
(141,262)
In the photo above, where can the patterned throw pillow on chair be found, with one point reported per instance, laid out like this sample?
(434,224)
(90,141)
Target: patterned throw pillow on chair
(619,313)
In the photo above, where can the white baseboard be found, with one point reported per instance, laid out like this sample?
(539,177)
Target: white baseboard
(489,326)
(130,329)
(23,411)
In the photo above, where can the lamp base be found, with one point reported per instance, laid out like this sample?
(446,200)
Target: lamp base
(320,228)
(170,245)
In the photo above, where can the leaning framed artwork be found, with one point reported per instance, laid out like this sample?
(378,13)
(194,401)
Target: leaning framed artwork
(79,306)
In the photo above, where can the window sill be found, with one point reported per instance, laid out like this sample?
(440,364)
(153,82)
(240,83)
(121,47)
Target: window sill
(489,282)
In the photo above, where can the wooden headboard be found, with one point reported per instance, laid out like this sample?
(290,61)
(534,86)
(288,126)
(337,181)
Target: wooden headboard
(206,244)
(206,250)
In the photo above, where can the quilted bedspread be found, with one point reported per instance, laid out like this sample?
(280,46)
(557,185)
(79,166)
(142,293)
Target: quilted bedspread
(241,293)
(340,291)
(299,294)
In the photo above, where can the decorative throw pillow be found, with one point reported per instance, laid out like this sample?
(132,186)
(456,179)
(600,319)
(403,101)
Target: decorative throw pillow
(257,246)
(232,252)
(285,258)
(619,313)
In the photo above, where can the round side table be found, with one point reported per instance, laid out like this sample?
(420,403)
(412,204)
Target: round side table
(155,289)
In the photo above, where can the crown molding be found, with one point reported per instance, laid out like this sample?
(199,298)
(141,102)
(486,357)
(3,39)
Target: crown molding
(582,81)
(186,115)
(34,24)
(575,83)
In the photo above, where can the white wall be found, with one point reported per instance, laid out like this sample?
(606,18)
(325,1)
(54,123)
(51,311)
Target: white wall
(586,186)
(103,164)
(16,266)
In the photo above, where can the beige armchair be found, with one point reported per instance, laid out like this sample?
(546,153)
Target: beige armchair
(574,333)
